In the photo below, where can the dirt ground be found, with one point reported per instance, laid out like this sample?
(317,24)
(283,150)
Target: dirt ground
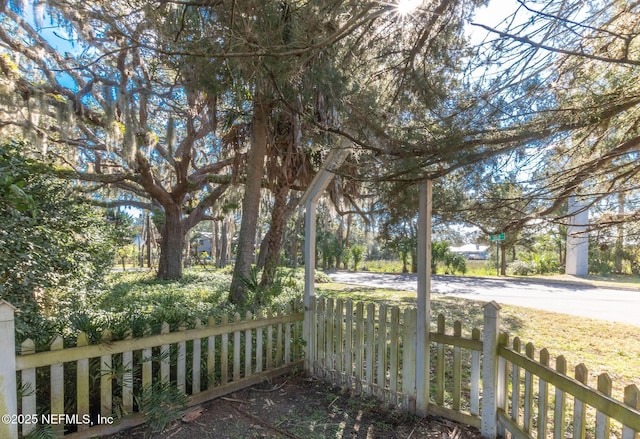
(300,407)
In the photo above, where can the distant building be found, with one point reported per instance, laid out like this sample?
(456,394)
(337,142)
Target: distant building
(201,242)
(472,251)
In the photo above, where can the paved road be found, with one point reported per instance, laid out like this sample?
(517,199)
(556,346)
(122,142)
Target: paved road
(583,300)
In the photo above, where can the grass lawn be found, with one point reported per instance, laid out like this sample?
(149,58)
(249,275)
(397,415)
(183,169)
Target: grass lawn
(602,346)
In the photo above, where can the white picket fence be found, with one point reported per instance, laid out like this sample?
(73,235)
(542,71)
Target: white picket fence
(205,362)
(476,379)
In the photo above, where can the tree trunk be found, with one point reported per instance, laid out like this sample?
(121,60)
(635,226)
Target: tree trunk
(171,245)
(214,243)
(251,202)
(619,251)
(503,262)
(224,239)
(346,238)
(149,237)
(276,231)
(340,247)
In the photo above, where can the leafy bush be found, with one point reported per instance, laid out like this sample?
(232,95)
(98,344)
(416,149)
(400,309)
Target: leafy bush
(162,404)
(357,252)
(441,255)
(520,268)
(545,264)
(55,247)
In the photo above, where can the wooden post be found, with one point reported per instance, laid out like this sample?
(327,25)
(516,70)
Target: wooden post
(9,394)
(490,388)
(309,275)
(423,301)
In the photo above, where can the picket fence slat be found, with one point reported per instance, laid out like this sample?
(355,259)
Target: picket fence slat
(259,343)
(181,364)
(270,359)
(236,349)
(528,390)
(147,365)
(211,355)
(165,357)
(28,377)
(409,359)
(370,350)
(279,353)
(560,402)
(127,381)
(440,362)
(632,399)
(457,367)
(382,351)
(339,340)
(515,383)
(394,350)
(603,422)
(359,346)
(224,353)
(474,405)
(196,361)
(348,343)
(329,328)
(248,346)
(543,397)
(57,386)
(106,389)
(287,338)
(579,407)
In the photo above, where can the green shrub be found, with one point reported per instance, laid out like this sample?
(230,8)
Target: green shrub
(357,252)
(520,268)
(162,403)
(545,263)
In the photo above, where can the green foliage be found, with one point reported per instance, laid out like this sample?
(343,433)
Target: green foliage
(162,403)
(55,248)
(330,249)
(442,256)
(545,263)
(346,257)
(42,432)
(520,268)
(357,251)
(383,266)
(137,302)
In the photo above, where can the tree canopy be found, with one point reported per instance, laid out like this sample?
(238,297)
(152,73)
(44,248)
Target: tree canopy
(186,108)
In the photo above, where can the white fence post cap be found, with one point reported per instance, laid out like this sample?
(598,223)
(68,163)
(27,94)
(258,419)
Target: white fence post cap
(7,310)
(493,304)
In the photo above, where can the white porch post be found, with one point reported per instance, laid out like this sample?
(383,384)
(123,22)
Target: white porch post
(424,301)
(309,275)
(310,202)
(9,394)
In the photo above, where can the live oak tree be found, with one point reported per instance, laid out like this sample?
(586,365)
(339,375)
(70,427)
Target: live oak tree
(126,122)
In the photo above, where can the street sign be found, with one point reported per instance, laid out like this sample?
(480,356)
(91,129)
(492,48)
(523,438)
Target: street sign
(498,237)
